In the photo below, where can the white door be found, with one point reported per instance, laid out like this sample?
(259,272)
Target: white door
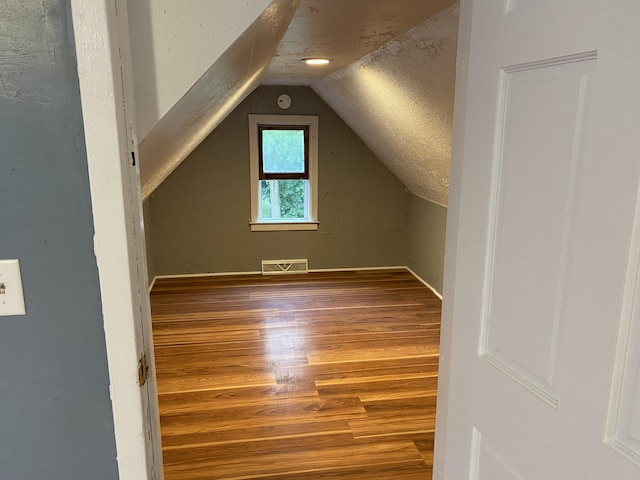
(540,374)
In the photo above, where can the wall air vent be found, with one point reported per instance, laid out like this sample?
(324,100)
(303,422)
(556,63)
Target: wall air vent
(279,267)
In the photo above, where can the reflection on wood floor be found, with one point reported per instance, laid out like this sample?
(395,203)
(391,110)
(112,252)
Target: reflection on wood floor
(318,376)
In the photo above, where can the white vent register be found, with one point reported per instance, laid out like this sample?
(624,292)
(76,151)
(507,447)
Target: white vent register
(279,267)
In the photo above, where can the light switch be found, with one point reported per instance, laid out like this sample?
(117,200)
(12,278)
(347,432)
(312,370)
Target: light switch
(11,296)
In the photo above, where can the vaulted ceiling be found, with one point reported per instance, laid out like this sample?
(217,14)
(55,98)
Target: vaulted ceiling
(391,76)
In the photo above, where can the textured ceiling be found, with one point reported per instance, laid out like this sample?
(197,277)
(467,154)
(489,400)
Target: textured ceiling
(399,100)
(216,93)
(390,78)
(343,31)
(164,35)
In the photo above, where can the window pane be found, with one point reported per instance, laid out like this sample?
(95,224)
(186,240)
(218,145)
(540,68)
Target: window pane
(283,199)
(283,151)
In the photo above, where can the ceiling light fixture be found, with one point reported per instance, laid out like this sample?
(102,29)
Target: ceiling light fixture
(315,61)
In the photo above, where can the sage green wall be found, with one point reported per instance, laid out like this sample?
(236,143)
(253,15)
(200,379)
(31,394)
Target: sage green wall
(426,237)
(199,216)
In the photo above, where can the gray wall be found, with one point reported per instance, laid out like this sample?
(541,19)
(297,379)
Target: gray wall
(55,412)
(200,215)
(426,236)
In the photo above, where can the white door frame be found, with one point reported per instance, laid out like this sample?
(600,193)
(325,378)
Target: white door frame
(102,49)
(97,53)
(455,180)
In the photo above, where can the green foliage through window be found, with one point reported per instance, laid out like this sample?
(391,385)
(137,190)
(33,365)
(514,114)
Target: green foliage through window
(284,168)
(282,199)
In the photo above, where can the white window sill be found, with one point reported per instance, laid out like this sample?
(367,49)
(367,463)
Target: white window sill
(281,226)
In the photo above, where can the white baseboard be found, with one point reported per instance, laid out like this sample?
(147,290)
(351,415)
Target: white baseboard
(314,270)
(435,292)
(354,269)
(311,270)
(153,282)
(191,275)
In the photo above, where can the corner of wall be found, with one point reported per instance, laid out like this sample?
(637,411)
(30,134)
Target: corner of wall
(427,224)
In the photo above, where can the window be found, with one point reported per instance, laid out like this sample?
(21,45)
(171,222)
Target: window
(284,172)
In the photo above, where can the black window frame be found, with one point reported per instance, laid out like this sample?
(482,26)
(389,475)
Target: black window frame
(262,175)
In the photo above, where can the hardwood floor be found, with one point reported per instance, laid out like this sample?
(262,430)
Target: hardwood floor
(319,376)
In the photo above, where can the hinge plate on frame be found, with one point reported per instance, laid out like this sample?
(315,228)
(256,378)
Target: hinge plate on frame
(143,370)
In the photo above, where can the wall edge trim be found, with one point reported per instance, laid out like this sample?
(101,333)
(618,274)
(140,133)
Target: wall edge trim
(258,272)
(311,270)
(211,274)
(355,269)
(428,200)
(425,283)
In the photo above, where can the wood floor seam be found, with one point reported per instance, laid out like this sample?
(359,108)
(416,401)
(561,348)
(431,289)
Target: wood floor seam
(324,376)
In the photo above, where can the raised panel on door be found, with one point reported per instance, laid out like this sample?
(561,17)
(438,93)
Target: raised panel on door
(623,426)
(538,147)
(487,464)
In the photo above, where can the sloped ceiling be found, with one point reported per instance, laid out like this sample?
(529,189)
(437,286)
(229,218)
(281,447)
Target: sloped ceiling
(213,96)
(343,31)
(399,100)
(174,46)
(391,79)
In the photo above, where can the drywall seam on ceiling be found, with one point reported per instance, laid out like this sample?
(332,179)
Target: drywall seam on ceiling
(173,44)
(399,100)
(223,86)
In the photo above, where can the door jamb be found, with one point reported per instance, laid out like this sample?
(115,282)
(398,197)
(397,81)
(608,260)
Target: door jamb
(451,244)
(96,49)
(101,49)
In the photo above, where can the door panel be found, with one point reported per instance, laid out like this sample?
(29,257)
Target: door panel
(623,432)
(539,140)
(541,373)
(488,464)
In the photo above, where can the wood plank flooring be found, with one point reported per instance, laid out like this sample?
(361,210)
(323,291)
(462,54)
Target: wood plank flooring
(321,376)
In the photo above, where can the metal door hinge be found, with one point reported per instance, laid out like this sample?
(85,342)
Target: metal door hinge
(143,370)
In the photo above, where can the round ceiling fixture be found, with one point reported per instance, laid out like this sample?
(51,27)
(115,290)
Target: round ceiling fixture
(284,101)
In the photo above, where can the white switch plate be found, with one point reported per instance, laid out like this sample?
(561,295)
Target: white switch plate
(11,297)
